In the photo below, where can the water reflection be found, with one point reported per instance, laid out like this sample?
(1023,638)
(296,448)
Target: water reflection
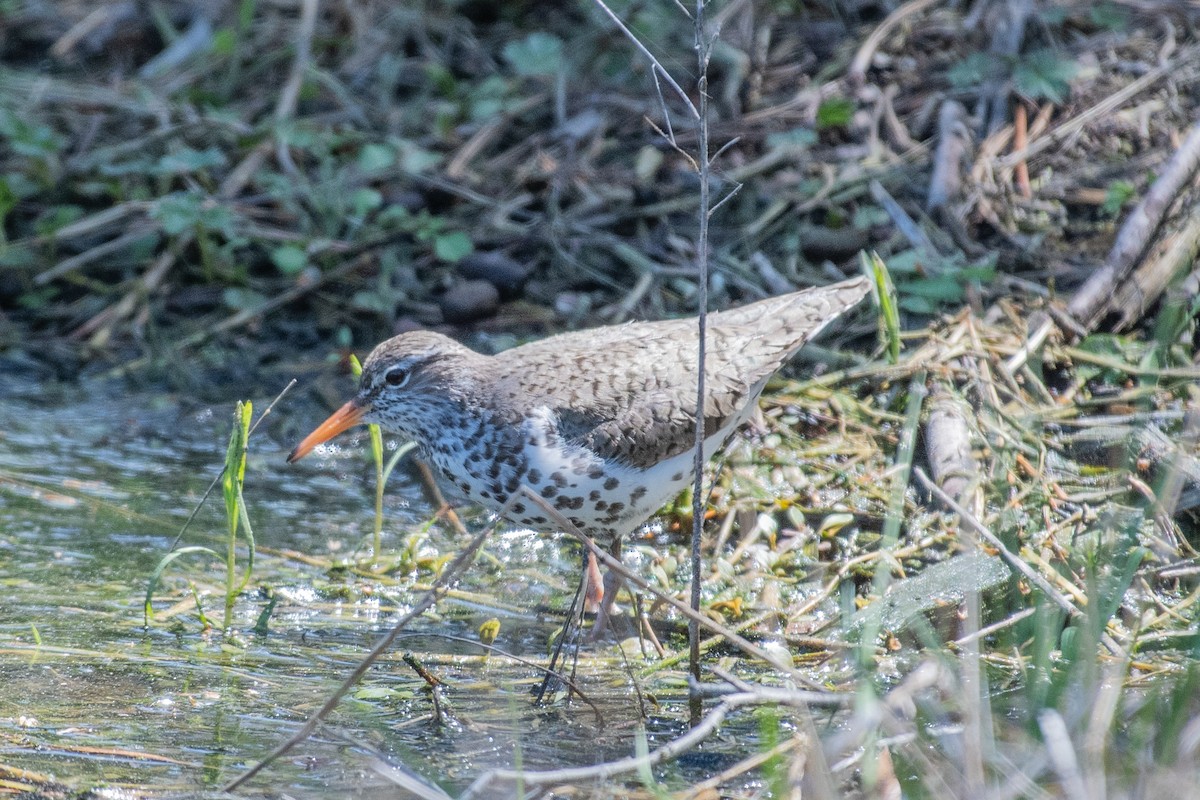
(95,484)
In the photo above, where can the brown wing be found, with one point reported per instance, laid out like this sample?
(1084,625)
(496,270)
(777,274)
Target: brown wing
(628,392)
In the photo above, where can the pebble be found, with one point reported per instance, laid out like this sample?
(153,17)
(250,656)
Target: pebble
(469,300)
(505,273)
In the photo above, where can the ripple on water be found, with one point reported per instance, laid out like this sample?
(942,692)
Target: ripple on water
(94,486)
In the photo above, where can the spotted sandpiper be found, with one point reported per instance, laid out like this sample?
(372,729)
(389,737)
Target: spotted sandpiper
(598,422)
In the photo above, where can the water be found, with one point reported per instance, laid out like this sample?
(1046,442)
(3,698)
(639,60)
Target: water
(96,482)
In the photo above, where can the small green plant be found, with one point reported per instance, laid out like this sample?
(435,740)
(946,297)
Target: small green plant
(836,112)
(1109,16)
(236,521)
(641,748)
(1044,75)
(1037,75)
(770,733)
(885,295)
(1118,194)
(448,244)
(290,259)
(8,201)
(537,54)
(214,225)
(797,140)
(38,146)
(180,212)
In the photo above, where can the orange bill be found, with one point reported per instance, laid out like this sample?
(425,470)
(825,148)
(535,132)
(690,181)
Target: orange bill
(345,417)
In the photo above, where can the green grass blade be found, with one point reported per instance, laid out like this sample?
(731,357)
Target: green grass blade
(249,534)
(400,453)
(885,293)
(163,563)
(235,474)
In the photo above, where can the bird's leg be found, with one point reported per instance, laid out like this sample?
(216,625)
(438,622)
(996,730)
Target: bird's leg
(612,584)
(444,509)
(595,587)
(572,623)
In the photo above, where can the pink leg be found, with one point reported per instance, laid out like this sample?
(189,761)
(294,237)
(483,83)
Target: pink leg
(596,588)
(612,584)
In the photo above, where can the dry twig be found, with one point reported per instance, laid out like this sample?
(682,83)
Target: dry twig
(1136,232)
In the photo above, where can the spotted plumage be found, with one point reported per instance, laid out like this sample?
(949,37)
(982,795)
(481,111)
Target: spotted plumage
(599,422)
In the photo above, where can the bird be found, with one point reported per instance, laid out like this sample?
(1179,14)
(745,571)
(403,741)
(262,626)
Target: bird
(599,423)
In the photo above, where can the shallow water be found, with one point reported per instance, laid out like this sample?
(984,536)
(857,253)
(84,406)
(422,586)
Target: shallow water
(95,483)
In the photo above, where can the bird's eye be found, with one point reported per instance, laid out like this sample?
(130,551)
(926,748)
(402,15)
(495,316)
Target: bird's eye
(396,376)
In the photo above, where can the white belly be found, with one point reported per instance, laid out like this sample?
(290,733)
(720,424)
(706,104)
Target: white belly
(605,500)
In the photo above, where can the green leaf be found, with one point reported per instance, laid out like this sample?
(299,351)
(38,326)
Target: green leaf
(416,159)
(425,226)
(537,54)
(8,201)
(983,270)
(400,452)
(1119,193)
(37,299)
(20,185)
(20,255)
(239,299)
(373,301)
(224,41)
(1117,349)
(835,112)
(487,99)
(866,217)
(1106,344)
(441,78)
(884,292)
(453,246)
(973,70)
(943,289)
(27,137)
(364,201)
(296,134)
(376,157)
(1109,16)
(235,463)
(183,211)
(917,305)
(1043,74)
(906,262)
(163,563)
(383,693)
(795,139)
(188,160)
(56,218)
(176,213)
(290,259)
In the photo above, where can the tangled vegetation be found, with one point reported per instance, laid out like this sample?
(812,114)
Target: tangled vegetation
(973,535)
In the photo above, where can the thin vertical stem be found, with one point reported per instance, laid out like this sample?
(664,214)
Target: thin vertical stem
(702,52)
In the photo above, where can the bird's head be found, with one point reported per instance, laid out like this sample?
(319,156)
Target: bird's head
(404,381)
